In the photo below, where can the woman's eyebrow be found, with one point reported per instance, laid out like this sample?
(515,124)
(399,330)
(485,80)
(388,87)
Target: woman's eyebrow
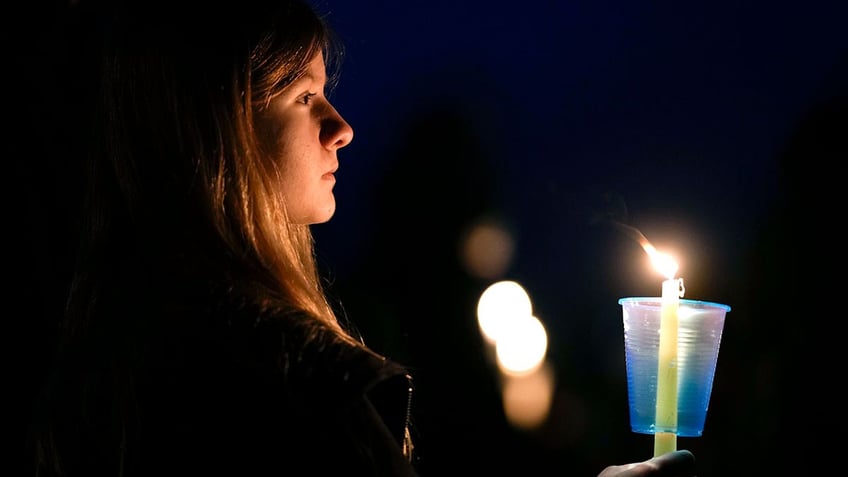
(306,79)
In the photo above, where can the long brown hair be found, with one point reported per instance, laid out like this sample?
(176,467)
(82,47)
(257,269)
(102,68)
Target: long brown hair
(177,169)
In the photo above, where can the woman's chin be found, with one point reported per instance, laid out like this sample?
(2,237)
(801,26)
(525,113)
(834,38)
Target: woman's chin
(322,215)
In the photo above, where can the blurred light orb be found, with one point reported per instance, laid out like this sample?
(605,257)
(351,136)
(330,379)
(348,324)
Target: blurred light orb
(487,249)
(501,304)
(527,399)
(522,347)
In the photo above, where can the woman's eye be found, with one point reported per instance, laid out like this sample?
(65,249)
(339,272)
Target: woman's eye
(307,98)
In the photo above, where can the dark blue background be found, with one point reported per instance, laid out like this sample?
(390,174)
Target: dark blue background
(682,118)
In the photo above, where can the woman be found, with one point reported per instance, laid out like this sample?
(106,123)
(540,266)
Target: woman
(198,337)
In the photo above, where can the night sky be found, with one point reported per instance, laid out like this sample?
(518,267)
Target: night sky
(697,123)
(679,111)
(691,121)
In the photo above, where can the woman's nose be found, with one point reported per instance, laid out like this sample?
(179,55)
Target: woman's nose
(336,133)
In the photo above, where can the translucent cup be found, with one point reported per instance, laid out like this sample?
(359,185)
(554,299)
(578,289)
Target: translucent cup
(700,324)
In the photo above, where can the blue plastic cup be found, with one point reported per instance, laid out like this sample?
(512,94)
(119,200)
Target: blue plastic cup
(700,324)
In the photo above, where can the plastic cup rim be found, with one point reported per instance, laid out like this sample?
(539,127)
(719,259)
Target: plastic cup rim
(683,302)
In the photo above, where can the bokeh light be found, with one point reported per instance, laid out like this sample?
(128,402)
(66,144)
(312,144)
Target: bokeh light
(522,348)
(501,303)
(487,249)
(527,398)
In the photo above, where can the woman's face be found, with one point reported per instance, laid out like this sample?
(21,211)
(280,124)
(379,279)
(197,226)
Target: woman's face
(304,132)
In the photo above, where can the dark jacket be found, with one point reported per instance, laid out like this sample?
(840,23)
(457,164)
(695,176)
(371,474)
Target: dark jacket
(223,389)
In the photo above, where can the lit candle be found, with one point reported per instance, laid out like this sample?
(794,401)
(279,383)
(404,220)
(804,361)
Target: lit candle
(666,411)
(665,416)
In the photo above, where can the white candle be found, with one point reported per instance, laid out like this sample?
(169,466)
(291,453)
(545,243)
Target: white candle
(666,411)
(672,289)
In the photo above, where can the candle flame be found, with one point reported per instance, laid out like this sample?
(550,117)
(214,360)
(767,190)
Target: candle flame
(663,262)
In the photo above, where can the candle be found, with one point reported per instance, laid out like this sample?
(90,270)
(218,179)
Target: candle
(666,411)
(665,416)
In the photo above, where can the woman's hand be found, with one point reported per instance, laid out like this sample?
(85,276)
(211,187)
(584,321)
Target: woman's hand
(673,464)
